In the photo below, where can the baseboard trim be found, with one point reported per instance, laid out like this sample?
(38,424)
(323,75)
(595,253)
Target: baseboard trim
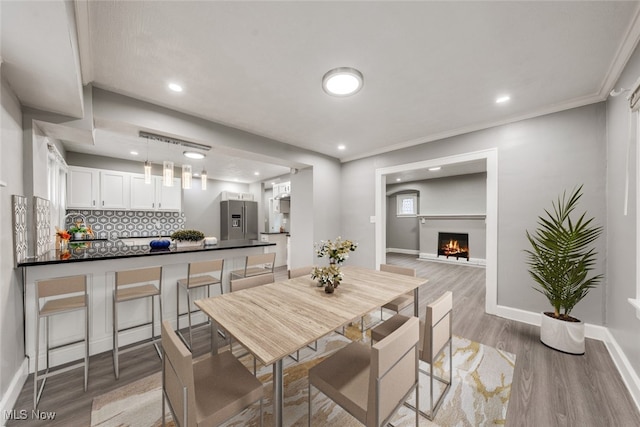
(597,332)
(10,398)
(462,261)
(629,375)
(404,251)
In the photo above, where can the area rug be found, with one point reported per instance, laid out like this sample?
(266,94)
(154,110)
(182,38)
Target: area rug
(479,395)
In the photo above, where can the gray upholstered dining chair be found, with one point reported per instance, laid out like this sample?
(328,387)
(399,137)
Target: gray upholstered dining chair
(402,301)
(206,392)
(295,273)
(435,336)
(199,274)
(300,272)
(371,383)
(247,283)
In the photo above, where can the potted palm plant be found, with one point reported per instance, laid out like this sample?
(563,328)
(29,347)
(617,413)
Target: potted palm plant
(561,259)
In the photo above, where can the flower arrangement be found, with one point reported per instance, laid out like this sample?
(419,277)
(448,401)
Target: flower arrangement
(337,251)
(62,234)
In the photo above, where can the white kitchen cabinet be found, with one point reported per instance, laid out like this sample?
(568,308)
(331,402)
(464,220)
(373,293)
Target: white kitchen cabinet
(280,239)
(169,198)
(83,188)
(114,190)
(143,196)
(90,188)
(282,189)
(155,196)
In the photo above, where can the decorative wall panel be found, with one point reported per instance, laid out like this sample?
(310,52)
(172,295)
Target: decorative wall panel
(20,242)
(42,219)
(110,224)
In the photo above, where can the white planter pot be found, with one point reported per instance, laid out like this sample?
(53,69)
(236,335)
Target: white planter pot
(560,335)
(188,243)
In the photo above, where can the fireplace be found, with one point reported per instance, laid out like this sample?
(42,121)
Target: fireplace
(453,245)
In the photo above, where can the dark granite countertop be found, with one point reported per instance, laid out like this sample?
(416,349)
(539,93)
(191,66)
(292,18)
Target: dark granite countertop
(99,250)
(277,232)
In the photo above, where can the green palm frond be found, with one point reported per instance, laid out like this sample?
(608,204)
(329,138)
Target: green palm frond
(560,258)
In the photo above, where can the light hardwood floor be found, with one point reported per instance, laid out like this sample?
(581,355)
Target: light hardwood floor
(549,388)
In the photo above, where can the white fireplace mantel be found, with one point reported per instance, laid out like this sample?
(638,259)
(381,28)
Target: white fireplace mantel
(452,216)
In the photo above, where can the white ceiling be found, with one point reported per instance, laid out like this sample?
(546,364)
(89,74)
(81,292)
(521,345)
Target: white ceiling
(431,69)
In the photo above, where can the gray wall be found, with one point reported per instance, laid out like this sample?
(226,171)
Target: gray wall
(462,194)
(11,172)
(402,231)
(537,159)
(622,231)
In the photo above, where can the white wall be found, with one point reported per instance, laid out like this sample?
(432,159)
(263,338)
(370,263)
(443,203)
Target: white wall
(622,265)
(537,160)
(11,173)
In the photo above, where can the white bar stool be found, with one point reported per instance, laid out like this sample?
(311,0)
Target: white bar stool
(131,285)
(199,274)
(62,295)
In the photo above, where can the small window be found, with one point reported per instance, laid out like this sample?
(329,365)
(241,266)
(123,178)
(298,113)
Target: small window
(407,204)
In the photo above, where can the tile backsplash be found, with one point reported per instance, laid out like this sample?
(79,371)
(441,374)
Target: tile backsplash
(110,224)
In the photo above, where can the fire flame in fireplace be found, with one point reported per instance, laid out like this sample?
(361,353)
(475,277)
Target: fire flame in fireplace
(452,248)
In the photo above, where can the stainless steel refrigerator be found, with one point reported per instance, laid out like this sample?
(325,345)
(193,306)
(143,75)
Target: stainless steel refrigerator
(238,220)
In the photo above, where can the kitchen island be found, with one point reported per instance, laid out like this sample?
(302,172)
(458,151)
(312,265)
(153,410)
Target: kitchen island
(99,260)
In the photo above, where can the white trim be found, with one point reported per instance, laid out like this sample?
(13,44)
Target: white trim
(452,260)
(628,374)
(404,251)
(491,157)
(10,398)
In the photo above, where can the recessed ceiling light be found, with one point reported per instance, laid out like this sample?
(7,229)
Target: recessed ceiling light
(437,168)
(343,81)
(175,87)
(134,153)
(342,147)
(502,99)
(196,174)
(256,173)
(193,155)
(398,179)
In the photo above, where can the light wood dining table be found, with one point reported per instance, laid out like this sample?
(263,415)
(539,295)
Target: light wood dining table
(272,321)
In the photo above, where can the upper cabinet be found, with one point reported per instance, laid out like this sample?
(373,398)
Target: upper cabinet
(114,190)
(83,188)
(102,189)
(281,190)
(155,196)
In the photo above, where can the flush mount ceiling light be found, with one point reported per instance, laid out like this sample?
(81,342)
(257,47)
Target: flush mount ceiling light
(193,155)
(502,99)
(437,168)
(343,81)
(175,87)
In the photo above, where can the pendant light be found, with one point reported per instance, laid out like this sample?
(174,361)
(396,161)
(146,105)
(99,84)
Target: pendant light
(186,177)
(203,179)
(147,167)
(167,173)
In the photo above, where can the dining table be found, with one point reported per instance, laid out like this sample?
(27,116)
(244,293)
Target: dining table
(275,320)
